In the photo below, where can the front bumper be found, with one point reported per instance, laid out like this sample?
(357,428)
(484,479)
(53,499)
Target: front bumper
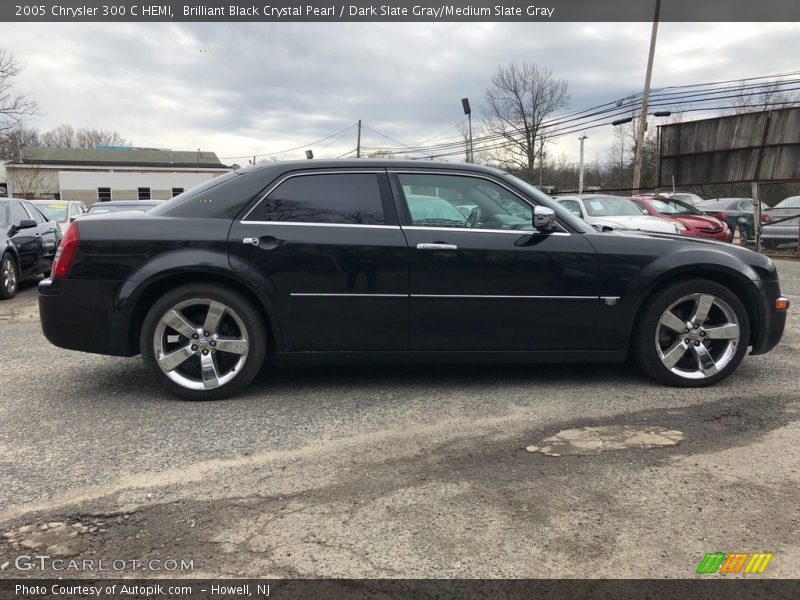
(770,322)
(82,314)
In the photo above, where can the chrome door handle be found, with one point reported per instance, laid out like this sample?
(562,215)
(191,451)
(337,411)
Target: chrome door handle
(437,246)
(251,241)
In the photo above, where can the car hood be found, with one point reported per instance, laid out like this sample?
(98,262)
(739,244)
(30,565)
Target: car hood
(697,221)
(636,222)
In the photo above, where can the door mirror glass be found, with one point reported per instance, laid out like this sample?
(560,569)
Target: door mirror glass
(543,218)
(26,224)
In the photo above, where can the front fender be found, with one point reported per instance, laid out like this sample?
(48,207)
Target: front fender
(634,285)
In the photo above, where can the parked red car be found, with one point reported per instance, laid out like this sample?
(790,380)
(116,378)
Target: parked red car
(694,222)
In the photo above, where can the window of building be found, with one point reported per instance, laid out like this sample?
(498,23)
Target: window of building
(334,198)
(103,194)
(144,193)
(176,191)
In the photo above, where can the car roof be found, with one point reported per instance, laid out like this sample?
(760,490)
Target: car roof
(127,202)
(369,163)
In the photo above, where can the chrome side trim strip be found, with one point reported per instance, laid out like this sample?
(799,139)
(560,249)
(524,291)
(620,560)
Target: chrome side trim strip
(297,223)
(518,232)
(501,297)
(324,295)
(475,296)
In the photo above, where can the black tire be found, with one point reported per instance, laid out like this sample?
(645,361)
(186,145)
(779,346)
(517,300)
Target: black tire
(9,277)
(644,345)
(250,318)
(769,244)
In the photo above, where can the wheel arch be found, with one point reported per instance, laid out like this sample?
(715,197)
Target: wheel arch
(734,280)
(155,288)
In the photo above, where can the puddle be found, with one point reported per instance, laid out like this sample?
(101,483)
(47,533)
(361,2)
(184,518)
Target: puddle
(594,440)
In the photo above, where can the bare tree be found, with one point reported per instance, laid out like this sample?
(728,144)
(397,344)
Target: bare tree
(62,136)
(27,182)
(13,141)
(15,106)
(518,102)
(66,136)
(768,96)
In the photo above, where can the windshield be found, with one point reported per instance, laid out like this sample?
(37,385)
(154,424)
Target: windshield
(54,212)
(793,202)
(672,207)
(99,209)
(563,214)
(611,207)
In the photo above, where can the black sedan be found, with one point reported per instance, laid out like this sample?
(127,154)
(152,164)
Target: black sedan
(738,213)
(30,240)
(364,261)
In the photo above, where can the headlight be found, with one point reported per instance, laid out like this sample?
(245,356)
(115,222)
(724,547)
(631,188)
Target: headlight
(679,228)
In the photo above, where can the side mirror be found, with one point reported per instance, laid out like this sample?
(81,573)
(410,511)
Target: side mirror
(26,224)
(543,218)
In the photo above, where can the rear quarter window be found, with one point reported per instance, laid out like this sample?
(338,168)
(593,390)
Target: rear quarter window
(222,197)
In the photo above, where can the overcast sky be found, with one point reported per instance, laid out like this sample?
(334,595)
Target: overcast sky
(243,89)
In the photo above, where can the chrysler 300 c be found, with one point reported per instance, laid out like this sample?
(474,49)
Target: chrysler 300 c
(323,261)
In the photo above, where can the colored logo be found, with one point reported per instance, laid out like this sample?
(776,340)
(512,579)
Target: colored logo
(740,562)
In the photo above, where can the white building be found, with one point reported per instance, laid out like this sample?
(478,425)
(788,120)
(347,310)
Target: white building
(108,173)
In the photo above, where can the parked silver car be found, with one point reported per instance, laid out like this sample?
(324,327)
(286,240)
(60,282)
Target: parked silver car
(782,224)
(610,213)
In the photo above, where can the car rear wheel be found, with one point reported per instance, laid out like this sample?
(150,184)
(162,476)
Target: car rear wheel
(203,342)
(8,277)
(691,334)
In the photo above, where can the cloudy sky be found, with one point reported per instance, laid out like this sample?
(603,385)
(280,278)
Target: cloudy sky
(243,89)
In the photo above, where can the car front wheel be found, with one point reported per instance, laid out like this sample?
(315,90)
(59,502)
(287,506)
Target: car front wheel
(203,342)
(691,334)
(8,277)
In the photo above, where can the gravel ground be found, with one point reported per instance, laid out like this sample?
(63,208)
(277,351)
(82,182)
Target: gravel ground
(412,471)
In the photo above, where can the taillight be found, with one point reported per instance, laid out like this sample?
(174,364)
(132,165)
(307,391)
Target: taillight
(65,253)
(765,218)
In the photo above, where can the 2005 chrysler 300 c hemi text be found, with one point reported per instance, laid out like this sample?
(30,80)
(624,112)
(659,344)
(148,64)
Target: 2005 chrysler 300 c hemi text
(389,260)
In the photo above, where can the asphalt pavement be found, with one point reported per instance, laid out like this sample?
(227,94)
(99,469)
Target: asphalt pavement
(396,471)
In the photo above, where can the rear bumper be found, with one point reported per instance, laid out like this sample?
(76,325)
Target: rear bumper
(82,314)
(771,322)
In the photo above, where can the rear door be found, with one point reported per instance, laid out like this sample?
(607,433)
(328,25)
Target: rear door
(28,242)
(330,246)
(48,231)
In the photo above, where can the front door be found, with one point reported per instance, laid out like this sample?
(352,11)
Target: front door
(482,278)
(330,246)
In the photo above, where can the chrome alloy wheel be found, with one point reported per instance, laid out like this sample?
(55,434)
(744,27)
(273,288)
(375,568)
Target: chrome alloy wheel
(201,343)
(9,275)
(697,336)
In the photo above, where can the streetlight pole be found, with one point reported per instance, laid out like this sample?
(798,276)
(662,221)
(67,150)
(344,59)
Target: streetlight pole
(468,112)
(583,138)
(637,165)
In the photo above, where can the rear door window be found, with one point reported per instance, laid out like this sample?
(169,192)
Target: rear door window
(346,198)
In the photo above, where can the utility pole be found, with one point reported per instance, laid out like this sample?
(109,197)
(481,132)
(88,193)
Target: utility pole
(637,165)
(541,162)
(358,141)
(580,172)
